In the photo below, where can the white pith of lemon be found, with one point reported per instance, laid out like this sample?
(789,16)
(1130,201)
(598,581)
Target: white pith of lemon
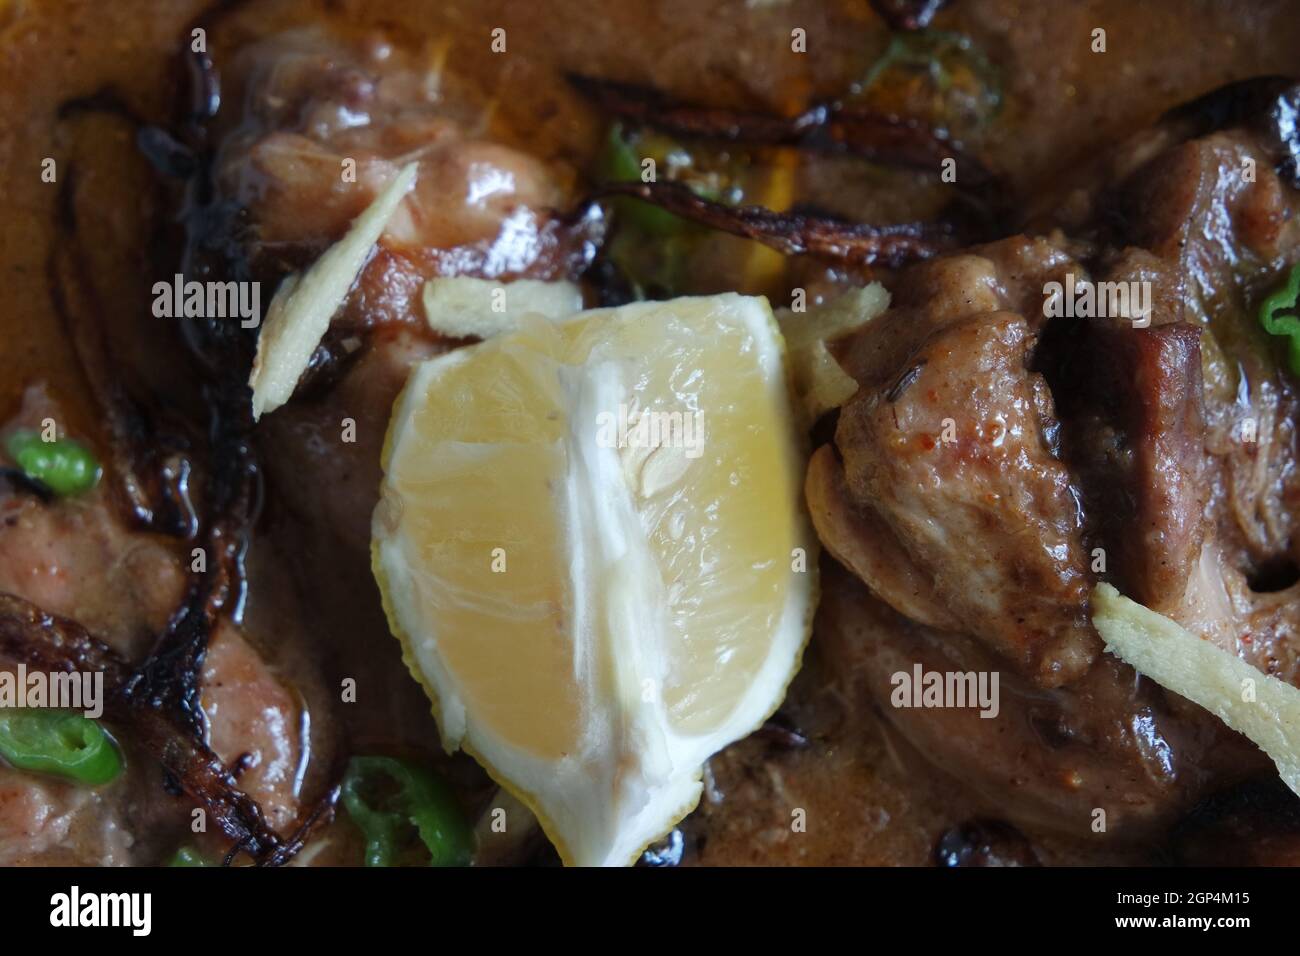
(593,621)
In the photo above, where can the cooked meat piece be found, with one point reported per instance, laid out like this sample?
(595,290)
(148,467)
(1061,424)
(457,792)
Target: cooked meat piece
(48,822)
(318,472)
(955,458)
(253,724)
(1238,237)
(1130,402)
(1210,222)
(1207,202)
(1050,758)
(76,558)
(953,505)
(325,125)
(78,561)
(479,208)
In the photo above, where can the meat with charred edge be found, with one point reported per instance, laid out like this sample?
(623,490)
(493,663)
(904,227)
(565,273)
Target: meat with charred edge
(159,700)
(1134,428)
(946,464)
(149,462)
(58,645)
(1268,105)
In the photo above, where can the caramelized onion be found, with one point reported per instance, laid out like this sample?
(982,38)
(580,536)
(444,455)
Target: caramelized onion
(825,127)
(45,641)
(795,234)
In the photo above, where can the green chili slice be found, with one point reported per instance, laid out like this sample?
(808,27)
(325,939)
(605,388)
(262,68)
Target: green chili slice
(1273,320)
(64,466)
(651,247)
(394,802)
(58,742)
(620,163)
(188,856)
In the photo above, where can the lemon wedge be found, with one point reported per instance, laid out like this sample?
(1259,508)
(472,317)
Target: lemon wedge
(591,543)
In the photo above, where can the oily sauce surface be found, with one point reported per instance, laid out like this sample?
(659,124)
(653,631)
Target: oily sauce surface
(867,800)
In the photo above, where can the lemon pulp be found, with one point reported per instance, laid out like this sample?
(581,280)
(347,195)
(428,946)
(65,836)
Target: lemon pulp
(591,543)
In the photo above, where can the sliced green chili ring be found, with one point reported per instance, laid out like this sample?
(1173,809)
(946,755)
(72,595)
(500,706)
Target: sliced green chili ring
(652,248)
(1275,323)
(389,798)
(64,466)
(188,856)
(60,743)
(620,163)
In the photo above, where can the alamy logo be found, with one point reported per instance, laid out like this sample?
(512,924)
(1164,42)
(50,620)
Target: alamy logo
(633,428)
(83,691)
(956,689)
(208,300)
(74,908)
(1085,299)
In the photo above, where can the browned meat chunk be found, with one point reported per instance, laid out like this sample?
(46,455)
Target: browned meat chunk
(1211,225)
(1050,759)
(327,124)
(49,822)
(1203,207)
(76,558)
(1223,239)
(953,456)
(318,474)
(1133,428)
(953,505)
(253,723)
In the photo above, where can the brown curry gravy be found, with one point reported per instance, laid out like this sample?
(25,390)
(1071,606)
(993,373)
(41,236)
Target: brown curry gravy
(867,800)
